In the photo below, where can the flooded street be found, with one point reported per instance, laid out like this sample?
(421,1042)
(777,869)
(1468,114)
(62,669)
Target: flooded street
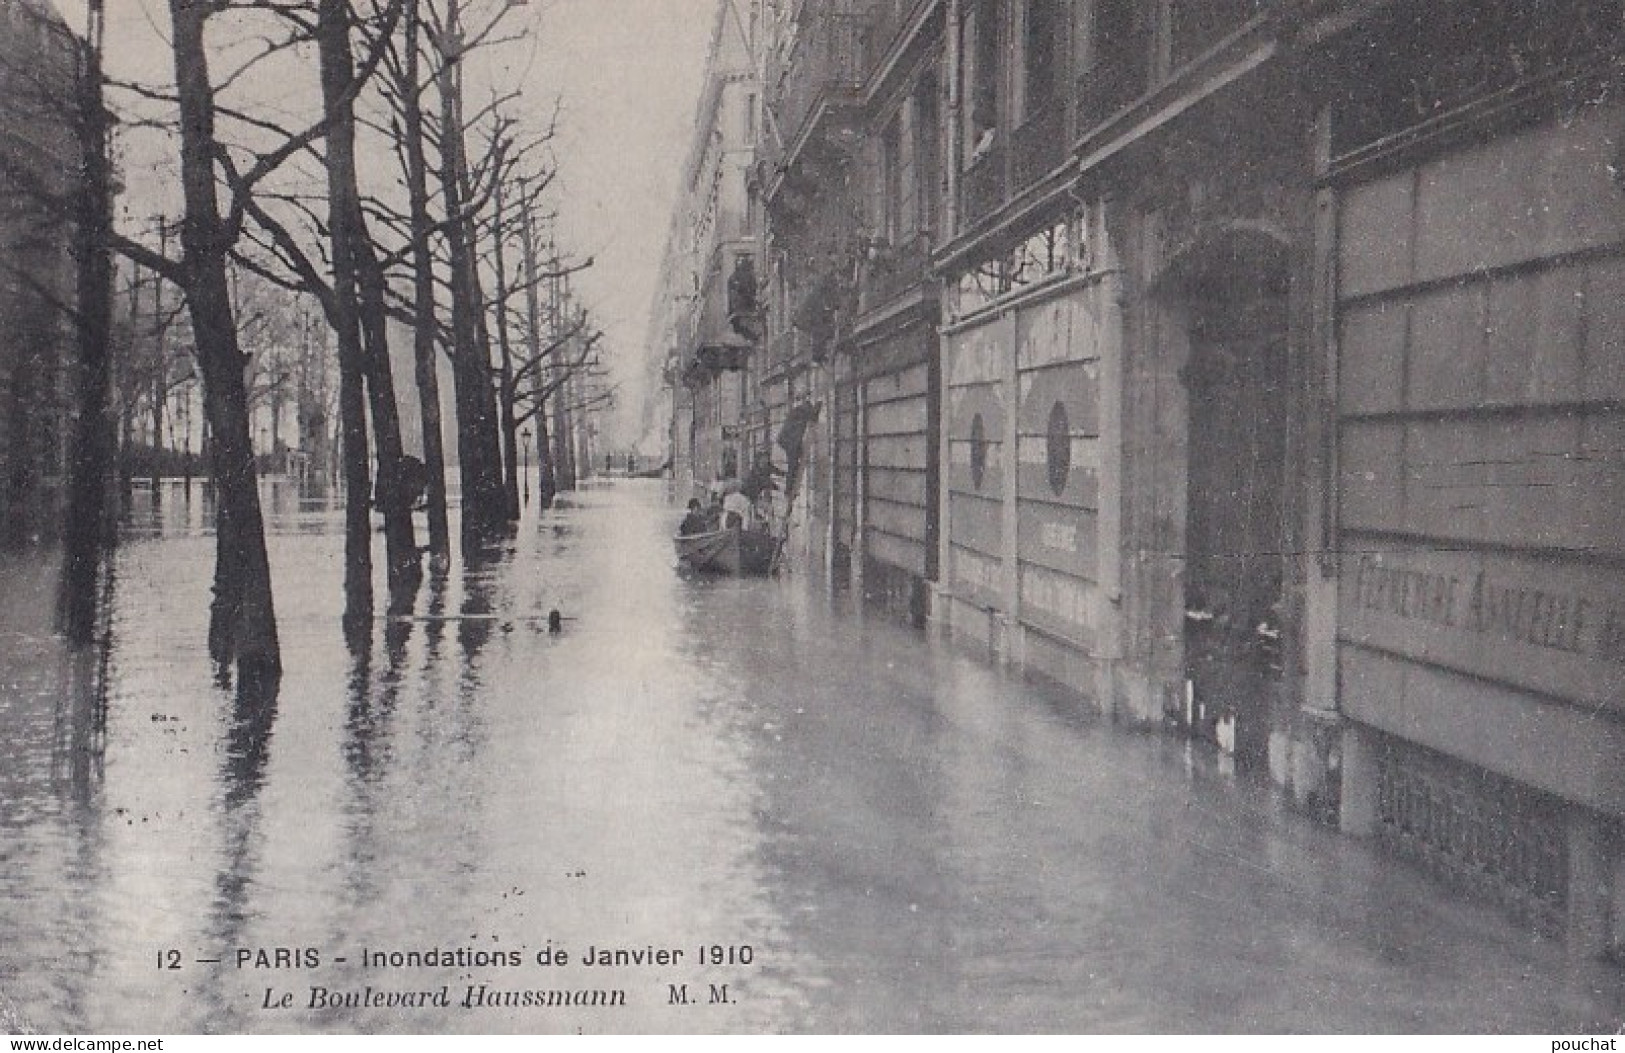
(796,818)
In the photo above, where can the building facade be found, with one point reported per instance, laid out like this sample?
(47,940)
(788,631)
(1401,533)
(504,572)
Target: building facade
(696,322)
(1247,368)
(38,64)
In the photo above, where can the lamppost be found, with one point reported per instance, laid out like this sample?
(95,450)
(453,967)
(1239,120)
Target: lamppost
(524,472)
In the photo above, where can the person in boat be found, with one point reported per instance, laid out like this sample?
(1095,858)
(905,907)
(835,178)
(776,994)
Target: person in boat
(736,511)
(695,522)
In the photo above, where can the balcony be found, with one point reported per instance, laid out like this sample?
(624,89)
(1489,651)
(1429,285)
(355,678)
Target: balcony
(787,353)
(984,184)
(1039,146)
(887,19)
(892,270)
(823,70)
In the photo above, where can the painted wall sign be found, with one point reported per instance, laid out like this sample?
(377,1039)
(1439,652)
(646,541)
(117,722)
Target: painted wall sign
(1549,627)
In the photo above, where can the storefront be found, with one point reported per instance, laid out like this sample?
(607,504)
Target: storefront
(1025,553)
(1480,320)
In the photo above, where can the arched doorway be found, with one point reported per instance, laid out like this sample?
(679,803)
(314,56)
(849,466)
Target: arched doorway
(1234,295)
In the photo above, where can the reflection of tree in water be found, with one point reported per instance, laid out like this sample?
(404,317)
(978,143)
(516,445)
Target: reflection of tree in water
(78,768)
(248,738)
(481,567)
(242,774)
(366,725)
(79,746)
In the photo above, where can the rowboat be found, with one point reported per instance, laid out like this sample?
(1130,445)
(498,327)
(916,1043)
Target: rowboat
(731,551)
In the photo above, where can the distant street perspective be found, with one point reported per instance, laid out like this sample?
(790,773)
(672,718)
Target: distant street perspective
(757,516)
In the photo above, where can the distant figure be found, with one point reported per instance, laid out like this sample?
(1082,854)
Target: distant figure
(555,621)
(631,463)
(759,480)
(695,522)
(411,480)
(736,510)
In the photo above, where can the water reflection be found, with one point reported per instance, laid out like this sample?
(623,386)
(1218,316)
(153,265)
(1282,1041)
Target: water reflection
(903,838)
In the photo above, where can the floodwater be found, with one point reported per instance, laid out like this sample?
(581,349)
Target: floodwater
(790,816)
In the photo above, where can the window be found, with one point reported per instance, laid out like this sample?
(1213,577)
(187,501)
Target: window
(1047,253)
(891,180)
(1410,66)
(1112,52)
(983,70)
(928,162)
(1041,28)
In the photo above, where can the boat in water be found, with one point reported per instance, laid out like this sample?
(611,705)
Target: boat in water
(728,551)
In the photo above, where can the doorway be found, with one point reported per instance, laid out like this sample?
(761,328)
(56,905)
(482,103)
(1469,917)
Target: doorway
(1236,385)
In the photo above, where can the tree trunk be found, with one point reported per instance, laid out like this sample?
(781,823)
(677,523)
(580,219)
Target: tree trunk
(545,485)
(365,284)
(478,457)
(345,318)
(242,625)
(564,474)
(505,405)
(424,319)
(400,537)
(88,522)
(158,400)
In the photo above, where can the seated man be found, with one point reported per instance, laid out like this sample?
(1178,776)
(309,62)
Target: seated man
(695,522)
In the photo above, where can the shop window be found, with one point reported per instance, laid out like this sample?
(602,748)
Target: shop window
(1051,251)
(1045,253)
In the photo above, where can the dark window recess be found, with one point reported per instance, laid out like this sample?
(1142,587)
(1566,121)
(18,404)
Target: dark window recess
(986,70)
(1114,55)
(1043,39)
(928,163)
(892,222)
(1197,25)
(1416,64)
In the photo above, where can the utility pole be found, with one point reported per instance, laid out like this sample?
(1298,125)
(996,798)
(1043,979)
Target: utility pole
(160,368)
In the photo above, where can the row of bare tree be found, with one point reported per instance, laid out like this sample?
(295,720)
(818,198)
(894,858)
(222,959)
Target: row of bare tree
(335,154)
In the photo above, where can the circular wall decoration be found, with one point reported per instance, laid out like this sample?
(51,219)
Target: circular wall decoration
(978,451)
(1058,454)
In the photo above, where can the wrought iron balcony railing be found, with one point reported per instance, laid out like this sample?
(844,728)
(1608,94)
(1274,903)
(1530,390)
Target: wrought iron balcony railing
(887,19)
(891,270)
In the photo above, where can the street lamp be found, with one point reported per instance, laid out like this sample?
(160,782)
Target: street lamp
(524,472)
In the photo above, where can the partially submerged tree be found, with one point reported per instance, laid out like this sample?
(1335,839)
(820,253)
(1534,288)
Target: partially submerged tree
(243,618)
